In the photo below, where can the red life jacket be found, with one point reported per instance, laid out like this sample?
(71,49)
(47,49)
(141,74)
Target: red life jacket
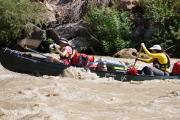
(176,68)
(81,60)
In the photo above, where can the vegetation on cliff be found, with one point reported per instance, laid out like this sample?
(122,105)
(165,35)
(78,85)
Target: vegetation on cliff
(110,27)
(165,17)
(151,21)
(15,14)
(113,26)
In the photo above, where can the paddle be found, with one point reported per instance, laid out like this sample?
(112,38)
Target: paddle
(54,60)
(35,51)
(137,57)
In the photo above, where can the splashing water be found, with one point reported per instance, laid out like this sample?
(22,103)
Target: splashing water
(79,73)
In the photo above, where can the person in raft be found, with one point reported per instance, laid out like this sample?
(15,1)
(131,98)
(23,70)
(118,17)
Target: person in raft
(160,60)
(64,50)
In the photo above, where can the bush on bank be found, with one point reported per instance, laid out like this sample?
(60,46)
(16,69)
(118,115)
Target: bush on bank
(113,28)
(165,17)
(110,27)
(14,15)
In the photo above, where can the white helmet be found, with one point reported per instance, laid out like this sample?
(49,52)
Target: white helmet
(156,47)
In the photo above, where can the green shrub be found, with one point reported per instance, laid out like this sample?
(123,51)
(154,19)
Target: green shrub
(110,27)
(15,14)
(113,28)
(165,17)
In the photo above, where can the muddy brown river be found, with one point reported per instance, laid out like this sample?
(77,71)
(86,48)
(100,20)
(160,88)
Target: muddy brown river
(85,96)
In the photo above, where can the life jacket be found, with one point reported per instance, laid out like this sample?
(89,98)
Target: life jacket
(67,59)
(160,66)
(176,68)
(81,59)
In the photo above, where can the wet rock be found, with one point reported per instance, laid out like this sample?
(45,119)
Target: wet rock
(126,53)
(49,16)
(34,39)
(64,20)
(52,33)
(71,12)
(64,11)
(79,9)
(76,32)
(130,53)
(74,28)
(80,42)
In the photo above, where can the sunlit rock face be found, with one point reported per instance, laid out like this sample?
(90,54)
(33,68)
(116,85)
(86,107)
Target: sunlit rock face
(128,4)
(126,53)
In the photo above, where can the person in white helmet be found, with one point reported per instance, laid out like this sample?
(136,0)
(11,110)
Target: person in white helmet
(160,60)
(64,50)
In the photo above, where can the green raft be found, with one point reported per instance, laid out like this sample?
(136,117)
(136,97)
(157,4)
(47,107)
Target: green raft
(121,76)
(19,62)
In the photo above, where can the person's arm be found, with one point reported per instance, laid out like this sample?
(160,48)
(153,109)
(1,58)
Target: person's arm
(62,53)
(150,60)
(73,53)
(147,51)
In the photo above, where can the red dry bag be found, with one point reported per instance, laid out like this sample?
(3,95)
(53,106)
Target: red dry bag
(176,68)
(133,71)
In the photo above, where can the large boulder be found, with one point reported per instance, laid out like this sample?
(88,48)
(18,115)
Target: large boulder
(34,39)
(71,12)
(65,20)
(126,53)
(72,30)
(76,32)
(64,11)
(48,16)
(130,53)
(52,33)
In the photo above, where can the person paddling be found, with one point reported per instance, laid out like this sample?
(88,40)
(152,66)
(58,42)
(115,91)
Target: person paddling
(160,60)
(64,50)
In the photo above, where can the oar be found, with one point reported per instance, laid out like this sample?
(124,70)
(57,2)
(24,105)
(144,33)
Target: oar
(57,60)
(35,51)
(137,56)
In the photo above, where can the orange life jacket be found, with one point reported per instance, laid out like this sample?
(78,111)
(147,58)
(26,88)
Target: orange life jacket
(176,68)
